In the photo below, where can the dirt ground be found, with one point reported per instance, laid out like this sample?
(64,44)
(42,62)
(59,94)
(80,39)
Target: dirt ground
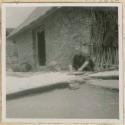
(89,102)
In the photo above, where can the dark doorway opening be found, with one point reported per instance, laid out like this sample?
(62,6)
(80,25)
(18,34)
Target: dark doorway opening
(41,48)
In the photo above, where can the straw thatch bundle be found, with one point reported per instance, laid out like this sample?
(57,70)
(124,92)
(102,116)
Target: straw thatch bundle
(104,38)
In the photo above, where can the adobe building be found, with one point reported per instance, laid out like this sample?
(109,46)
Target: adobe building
(50,34)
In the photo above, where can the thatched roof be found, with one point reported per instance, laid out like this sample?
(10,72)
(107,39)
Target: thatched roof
(37,14)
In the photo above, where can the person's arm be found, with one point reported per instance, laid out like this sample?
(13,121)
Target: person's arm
(84,65)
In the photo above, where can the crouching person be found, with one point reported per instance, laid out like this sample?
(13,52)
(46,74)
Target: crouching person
(81,63)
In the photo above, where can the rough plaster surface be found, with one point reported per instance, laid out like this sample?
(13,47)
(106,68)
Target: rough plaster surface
(61,36)
(25,41)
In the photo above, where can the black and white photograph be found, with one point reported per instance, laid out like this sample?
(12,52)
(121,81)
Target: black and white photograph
(62,61)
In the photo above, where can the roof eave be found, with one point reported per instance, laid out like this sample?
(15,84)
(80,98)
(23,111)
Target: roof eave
(12,36)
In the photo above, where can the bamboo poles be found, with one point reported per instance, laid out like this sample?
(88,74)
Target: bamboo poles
(105,55)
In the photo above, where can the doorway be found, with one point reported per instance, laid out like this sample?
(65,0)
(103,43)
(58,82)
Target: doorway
(41,48)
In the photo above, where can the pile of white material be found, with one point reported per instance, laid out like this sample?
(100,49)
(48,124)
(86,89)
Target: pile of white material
(36,80)
(16,84)
(105,74)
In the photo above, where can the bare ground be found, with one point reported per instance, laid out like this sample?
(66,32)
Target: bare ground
(89,102)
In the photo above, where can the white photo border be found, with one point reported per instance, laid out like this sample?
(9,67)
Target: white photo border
(121,88)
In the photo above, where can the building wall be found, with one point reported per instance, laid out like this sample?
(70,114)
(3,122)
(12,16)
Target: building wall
(24,43)
(11,54)
(65,29)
